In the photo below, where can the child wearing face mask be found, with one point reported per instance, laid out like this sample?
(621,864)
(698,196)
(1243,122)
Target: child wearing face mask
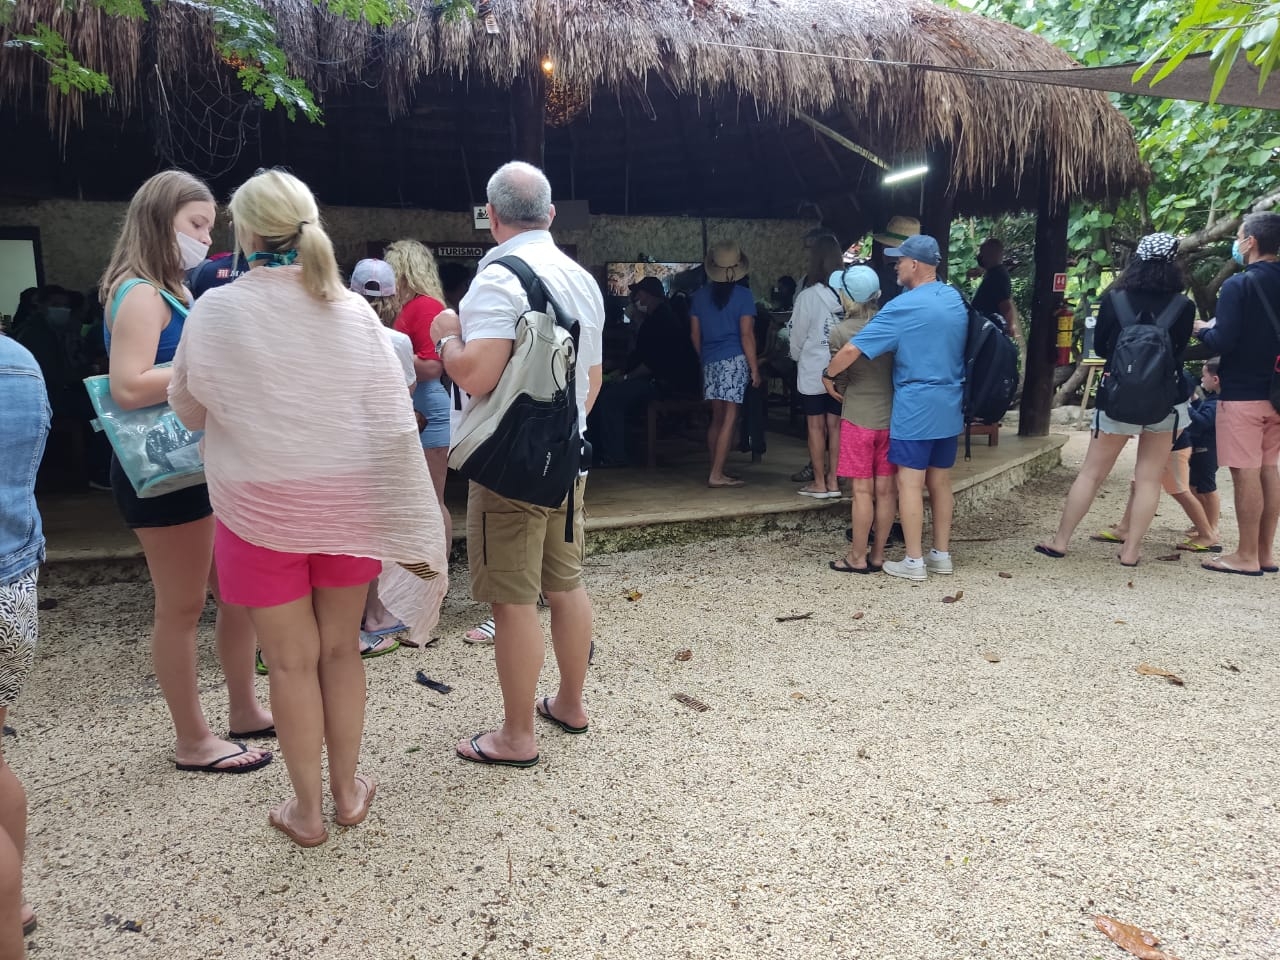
(165,232)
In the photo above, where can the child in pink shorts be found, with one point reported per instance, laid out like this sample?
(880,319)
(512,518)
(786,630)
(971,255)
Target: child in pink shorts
(866,392)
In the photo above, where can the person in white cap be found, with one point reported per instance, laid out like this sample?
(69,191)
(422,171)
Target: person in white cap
(925,328)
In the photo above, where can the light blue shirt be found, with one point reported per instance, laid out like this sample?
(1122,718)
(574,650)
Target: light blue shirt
(925,329)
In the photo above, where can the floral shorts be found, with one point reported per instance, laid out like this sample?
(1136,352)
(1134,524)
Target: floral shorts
(726,379)
(18,630)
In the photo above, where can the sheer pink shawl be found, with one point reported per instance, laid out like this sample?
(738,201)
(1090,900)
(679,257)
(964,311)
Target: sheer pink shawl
(310,440)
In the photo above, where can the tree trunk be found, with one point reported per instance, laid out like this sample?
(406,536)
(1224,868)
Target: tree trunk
(1071,385)
(1041,359)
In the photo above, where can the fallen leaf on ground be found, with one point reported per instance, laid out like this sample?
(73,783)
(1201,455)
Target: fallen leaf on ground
(1226,666)
(1139,942)
(859,615)
(1122,621)
(435,685)
(683,655)
(633,595)
(1130,584)
(797,695)
(690,702)
(793,617)
(990,656)
(1005,576)
(1147,670)
(956,599)
(1170,557)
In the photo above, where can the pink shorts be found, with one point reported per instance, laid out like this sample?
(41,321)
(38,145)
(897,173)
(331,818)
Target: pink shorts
(253,576)
(1248,434)
(864,453)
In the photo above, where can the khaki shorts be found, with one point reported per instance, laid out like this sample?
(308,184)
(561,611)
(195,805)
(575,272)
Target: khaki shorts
(516,550)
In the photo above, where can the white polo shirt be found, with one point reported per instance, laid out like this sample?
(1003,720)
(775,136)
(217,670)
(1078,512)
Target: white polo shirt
(496,300)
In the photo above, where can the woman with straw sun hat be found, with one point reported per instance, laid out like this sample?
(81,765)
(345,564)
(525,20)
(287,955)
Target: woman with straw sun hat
(722,325)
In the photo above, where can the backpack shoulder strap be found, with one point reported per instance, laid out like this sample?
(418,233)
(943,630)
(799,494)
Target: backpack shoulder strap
(1169,315)
(528,279)
(129,284)
(1270,311)
(1123,308)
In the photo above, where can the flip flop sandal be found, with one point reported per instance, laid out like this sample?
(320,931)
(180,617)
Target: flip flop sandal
(258,665)
(482,757)
(266,733)
(1106,536)
(276,818)
(1192,547)
(395,628)
(844,566)
(370,790)
(544,711)
(371,646)
(1049,551)
(1218,565)
(481,633)
(29,926)
(1271,569)
(212,765)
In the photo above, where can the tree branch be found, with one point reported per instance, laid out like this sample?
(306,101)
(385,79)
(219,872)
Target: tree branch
(1225,228)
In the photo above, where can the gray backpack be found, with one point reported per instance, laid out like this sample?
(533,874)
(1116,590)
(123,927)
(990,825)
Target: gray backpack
(522,439)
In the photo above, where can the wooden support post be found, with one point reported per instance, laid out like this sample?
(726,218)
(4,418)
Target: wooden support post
(937,205)
(1038,366)
(528,112)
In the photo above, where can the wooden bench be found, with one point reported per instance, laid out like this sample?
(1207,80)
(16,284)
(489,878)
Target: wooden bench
(989,430)
(660,407)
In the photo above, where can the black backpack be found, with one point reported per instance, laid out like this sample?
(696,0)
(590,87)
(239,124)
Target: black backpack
(1142,380)
(990,371)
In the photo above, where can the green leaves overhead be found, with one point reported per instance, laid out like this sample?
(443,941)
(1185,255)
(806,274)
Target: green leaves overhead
(1224,29)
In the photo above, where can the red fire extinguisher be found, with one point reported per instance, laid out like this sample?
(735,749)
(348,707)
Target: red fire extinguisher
(1066,333)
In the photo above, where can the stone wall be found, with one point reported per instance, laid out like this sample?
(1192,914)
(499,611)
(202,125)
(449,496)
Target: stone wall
(77,237)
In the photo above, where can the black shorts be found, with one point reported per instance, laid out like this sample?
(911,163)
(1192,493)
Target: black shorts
(815,405)
(1204,471)
(170,510)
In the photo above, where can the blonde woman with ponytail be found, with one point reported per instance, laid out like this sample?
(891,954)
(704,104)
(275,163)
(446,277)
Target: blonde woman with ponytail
(419,299)
(316,480)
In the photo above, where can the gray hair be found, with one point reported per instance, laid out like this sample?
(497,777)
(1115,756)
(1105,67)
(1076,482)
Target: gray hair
(520,195)
(1264,227)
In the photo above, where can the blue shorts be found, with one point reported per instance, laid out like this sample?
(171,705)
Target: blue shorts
(432,401)
(726,379)
(922,454)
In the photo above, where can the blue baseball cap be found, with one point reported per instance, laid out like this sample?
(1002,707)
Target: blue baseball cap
(923,248)
(859,283)
(218,270)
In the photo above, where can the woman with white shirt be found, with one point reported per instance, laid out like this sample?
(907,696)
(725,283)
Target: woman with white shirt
(817,309)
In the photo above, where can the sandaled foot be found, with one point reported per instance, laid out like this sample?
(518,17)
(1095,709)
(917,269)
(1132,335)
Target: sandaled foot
(1231,563)
(226,757)
(716,483)
(29,923)
(366,788)
(1108,536)
(1201,545)
(371,646)
(481,633)
(472,751)
(544,707)
(281,818)
(845,565)
(255,725)
(1047,551)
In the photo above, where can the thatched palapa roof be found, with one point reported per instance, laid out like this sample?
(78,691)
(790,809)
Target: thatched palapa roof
(633,59)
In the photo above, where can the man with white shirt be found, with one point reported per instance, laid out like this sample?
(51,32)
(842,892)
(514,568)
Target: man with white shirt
(514,548)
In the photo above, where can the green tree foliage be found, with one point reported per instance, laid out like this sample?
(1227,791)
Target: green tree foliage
(1208,162)
(244,37)
(1225,29)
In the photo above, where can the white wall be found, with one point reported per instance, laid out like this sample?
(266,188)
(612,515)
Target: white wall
(17,272)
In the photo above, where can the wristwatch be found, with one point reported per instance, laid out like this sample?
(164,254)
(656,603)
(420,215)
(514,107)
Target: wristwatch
(442,341)
(826,375)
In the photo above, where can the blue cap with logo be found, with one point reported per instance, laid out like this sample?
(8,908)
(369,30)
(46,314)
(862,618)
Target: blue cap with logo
(859,283)
(922,247)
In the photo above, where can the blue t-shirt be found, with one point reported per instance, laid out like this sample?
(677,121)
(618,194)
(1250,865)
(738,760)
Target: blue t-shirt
(925,329)
(721,329)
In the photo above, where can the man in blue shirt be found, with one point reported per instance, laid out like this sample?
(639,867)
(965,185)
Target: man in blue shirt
(924,328)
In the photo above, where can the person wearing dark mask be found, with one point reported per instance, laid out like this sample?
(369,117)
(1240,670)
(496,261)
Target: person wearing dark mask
(995,293)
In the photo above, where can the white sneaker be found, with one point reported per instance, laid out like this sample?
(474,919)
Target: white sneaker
(900,568)
(938,564)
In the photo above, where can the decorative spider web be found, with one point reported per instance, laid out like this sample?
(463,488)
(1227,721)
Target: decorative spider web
(201,123)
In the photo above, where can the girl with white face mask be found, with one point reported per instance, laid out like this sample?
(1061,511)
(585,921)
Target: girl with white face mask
(166,231)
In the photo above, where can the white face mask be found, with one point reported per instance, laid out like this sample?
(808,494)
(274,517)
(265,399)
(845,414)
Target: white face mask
(192,251)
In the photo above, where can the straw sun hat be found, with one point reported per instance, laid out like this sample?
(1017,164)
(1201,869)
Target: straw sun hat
(725,262)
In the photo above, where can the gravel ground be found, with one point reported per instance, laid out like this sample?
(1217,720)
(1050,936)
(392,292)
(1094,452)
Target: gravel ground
(894,777)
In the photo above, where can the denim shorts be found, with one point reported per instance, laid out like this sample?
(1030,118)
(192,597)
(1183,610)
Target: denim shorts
(432,401)
(1104,424)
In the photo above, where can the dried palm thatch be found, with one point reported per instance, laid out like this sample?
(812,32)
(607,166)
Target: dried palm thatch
(997,133)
